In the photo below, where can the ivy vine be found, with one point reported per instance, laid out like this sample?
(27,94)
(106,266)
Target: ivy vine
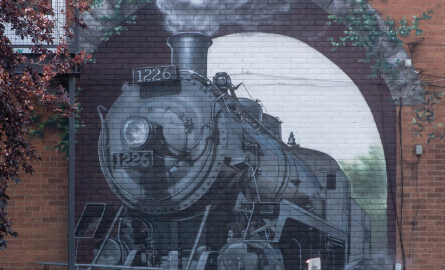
(61,124)
(365,32)
(117,16)
(426,116)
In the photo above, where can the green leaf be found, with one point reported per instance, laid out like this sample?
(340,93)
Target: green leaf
(364,32)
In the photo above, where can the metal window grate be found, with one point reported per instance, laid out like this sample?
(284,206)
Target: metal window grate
(59,18)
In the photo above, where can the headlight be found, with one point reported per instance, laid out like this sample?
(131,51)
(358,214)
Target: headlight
(135,132)
(222,81)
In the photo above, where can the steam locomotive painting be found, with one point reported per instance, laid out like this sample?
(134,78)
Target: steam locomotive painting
(206,182)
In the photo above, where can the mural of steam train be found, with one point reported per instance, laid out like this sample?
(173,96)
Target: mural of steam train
(206,182)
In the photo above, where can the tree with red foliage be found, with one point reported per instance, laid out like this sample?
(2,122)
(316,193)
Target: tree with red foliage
(19,92)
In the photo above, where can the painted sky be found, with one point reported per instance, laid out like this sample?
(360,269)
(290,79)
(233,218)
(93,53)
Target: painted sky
(311,95)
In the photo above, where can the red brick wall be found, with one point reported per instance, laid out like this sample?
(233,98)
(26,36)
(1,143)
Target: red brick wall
(423,201)
(39,205)
(38,208)
(423,205)
(423,222)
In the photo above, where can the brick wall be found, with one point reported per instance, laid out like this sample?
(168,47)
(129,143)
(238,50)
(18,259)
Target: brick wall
(38,207)
(43,235)
(423,204)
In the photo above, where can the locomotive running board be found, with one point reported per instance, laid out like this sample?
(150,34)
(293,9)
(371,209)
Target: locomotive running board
(290,210)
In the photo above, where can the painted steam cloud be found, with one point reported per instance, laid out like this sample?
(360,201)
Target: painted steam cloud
(207,16)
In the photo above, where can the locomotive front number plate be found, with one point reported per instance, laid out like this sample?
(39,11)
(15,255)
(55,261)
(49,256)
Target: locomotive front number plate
(154,74)
(133,159)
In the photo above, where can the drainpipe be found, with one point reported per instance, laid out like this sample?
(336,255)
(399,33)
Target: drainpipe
(71,256)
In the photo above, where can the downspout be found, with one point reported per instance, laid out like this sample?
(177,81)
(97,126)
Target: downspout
(71,143)
(71,257)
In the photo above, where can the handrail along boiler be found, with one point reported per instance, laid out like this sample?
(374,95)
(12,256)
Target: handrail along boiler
(206,182)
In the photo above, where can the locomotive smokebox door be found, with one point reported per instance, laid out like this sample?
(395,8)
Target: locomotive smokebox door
(161,153)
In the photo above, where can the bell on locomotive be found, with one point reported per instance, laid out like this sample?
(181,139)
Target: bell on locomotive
(206,182)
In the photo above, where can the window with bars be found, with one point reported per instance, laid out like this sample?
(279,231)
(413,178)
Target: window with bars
(59,18)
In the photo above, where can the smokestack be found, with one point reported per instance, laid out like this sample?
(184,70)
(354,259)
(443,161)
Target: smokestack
(189,51)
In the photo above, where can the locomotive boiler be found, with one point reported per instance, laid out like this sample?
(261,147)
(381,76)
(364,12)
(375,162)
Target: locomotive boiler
(206,182)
